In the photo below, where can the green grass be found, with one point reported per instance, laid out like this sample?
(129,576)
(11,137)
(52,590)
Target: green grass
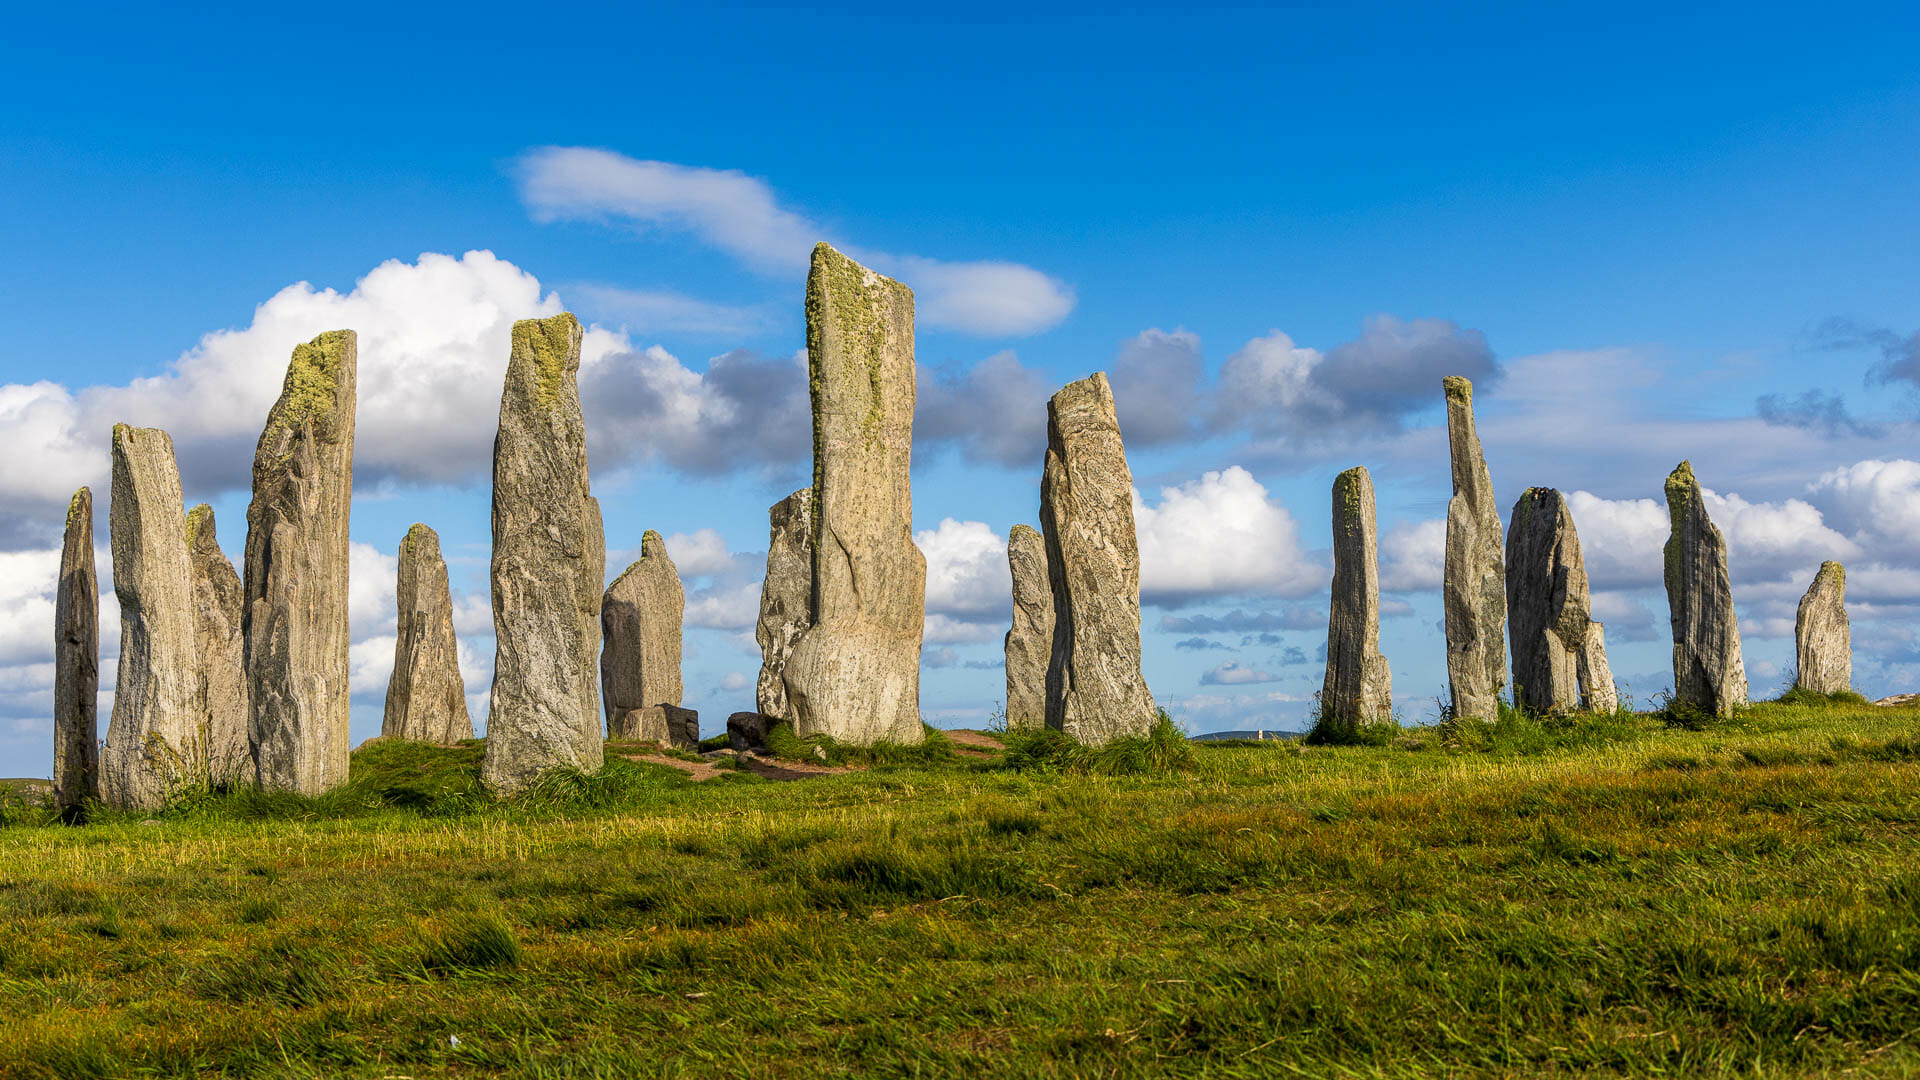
(1579,896)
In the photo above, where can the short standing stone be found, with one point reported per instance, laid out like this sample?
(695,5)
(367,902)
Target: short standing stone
(296,572)
(785,596)
(1359,685)
(748,730)
(218,601)
(1095,689)
(1823,641)
(426,697)
(1029,643)
(76,663)
(1474,587)
(1708,672)
(671,725)
(640,662)
(549,567)
(1597,692)
(1548,603)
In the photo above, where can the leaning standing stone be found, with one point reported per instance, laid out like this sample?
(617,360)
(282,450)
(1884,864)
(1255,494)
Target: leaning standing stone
(1359,686)
(785,596)
(1474,588)
(76,663)
(217,605)
(1029,643)
(1822,639)
(549,567)
(640,663)
(1548,603)
(296,572)
(1597,692)
(426,697)
(1708,671)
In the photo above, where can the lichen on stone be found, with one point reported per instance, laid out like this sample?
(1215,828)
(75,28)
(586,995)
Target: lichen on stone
(197,519)
(1458,388)
(311,391)
(547,344)
(73,504)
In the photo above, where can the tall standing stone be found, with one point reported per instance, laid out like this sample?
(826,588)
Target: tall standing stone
(1708,672)
(1359,685)
(854,672)
(426,697)
(549,567)
(1029,643)
(1549,606)
(1474,588)
(296,572)
(1822,639)
(76,663)
(1597,692)
(218,601)
(786,597)
(1095,689)
(640,662)
(154,742)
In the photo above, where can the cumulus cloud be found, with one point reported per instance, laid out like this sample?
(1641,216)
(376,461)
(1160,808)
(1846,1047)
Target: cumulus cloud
(1624,540)
(1232,674)
(744,411)
(994,412)
(1200,644)
(1156,380)
(967,573)
(1875,501)
(1815,410)
(700,553)
(1413,556)
(1220,535)
(1238,621)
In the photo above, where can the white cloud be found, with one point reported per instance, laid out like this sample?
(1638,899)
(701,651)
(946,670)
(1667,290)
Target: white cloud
(28,580)
(371,575)
(664,311)
(1877,502)
(1232,674)
(735,680)
(700,553)
(370,667)
(724,607)
(1413,556)
(945,629)
(1220,535)
(1624,540)
(967,572)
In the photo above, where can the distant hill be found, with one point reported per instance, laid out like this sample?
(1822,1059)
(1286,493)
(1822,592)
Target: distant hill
(1257,734)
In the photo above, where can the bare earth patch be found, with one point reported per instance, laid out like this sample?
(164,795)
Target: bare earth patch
(974,744)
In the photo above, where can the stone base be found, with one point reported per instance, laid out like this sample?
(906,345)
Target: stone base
(668,725)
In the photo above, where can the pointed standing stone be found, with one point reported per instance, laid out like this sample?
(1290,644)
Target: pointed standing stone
(1029,643)
(76,663)
(640,663)
(1597,692)
(1095,689)
(1359,685)
(854,672)
(1474,589)
(1708,671)
(426,697)
(785,597)
(1548,602)
(549,567)
(296,572)
(217,606)
(1822,639)
(154,742)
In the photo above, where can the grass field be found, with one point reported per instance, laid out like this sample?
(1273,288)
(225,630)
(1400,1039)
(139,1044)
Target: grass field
(1613,896)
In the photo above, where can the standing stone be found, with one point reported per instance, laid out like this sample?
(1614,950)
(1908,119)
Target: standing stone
(1822,639)
(1030,642)
(154,741)
(854,672)
(296,572)
(426,697)
(640,664)
(1548,603)
(1474,589)
(76,663)
(1597,692)
(1708,671)
(785,596)
(1359,687)
(1095,689)
(549,567)
(218,601)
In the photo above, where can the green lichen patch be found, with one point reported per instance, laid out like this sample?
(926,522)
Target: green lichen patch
(311,392)
(854,301)
(1346,488)
(1681,489)
(551,347)
(83,497)
(1458,389)
(417,533)
(198,518)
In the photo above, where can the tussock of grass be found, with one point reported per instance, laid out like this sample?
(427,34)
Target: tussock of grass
(471,943)
(936,749)
(1162,751)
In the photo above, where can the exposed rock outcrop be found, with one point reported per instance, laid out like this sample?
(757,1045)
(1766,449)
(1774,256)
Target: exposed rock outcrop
(76,663)
(1359,685)
(1474,587)
(640,661)
(218,604)
(1708,672)
(1029,643)
(426,696)
(786,596)
(1549,606)
(1822,638)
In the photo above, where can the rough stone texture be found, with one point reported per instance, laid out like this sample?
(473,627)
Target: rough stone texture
(1548,603)
(218,602)
(549,567)
(748,730)
(1597,692)
(854,672)
(670,725)
(426,697)
(1095,690)
(640,623)
(1474,587)
(1708,671)
(154,742)
(296,572)
(1359,686)
(786,595)
(76,662)
(1822,639)
(1029,643)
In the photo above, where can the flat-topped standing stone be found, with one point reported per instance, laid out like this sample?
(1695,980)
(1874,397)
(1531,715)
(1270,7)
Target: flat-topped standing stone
(1029,643)
(1708,671)
(76,663)
(549,567)
(1822,639)
(1359,685)
(296,572)
(154,742)
(426,697)
(1474,588)
(1548,603)
(785,596)
(218,601)
(1095,689)
(640,663)
(1597,692)
(854,672)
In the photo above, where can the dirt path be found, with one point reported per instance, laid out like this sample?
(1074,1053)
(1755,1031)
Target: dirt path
(974,744)
(771,768)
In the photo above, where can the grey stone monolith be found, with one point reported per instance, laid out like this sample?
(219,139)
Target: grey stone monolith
(155,746)
(1822,638)
(76,663)
(426,695)
(1597,691)
(1358,689)
(1029,642)
(786,596)
(549,567)
(854,672)
(1096,691)
(298,679)
(1474,587)
(1708,672)
(218,601)
(1548,603)
(640,660)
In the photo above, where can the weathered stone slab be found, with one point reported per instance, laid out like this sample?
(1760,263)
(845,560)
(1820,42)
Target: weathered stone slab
(1597,691)
(1822,637)
(640,624)
(549,567)
(1708,671)
(76,663)
(1474,587)
(218,605)
(426,696)
(296,572)
(854,672)
(668,725)
(1358,689)
(1548,602)
(748,730)
(1095,689)
(786,596)
(1029,643)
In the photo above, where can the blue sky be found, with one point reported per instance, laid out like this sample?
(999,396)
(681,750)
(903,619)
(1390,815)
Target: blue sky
(1649,235)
